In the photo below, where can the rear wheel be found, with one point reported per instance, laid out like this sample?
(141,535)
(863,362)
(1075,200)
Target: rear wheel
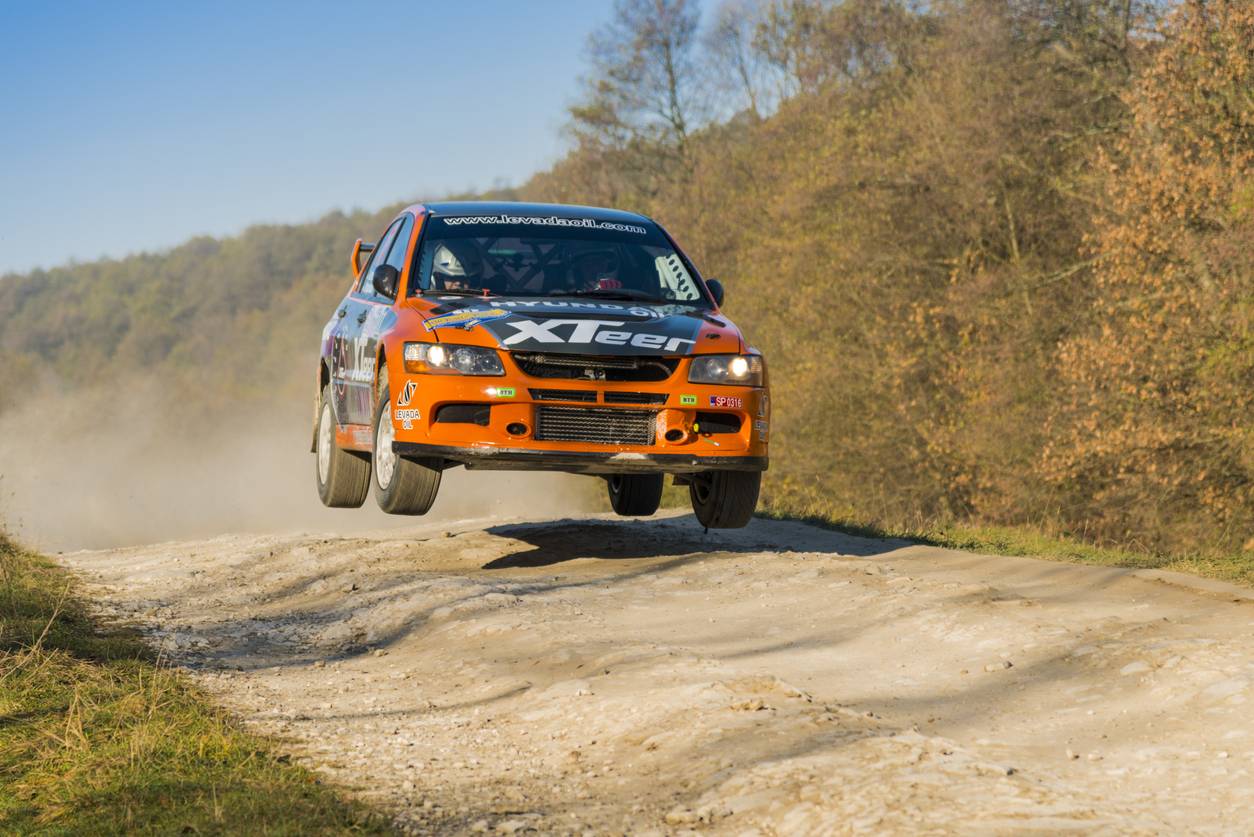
(635,495)
(343,477)
(401,486)
(725,499)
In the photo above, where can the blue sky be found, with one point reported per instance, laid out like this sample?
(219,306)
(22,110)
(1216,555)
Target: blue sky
(133,126)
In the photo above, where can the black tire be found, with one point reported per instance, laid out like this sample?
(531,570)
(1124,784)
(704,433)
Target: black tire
(725,499)
(343,476)
(413,485)
(635,495)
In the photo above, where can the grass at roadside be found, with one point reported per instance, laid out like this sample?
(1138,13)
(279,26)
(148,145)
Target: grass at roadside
(96,738)
(1019,540)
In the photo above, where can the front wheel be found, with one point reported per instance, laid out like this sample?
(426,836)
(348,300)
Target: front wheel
(635,495)
(725,499)
(401,486)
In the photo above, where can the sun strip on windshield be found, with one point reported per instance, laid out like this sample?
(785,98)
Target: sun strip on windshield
(542,220)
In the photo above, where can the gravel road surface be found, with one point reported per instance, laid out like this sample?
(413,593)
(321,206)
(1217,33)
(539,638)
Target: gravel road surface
(608,676)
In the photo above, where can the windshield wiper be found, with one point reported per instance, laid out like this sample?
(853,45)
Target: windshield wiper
(457,292)
(616,293)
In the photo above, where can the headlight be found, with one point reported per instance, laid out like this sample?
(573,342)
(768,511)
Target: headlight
(742,370)
(440,358)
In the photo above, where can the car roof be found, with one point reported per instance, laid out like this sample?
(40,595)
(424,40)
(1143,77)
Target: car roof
(559,210)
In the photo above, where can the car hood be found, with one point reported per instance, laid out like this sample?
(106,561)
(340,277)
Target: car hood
(586,327)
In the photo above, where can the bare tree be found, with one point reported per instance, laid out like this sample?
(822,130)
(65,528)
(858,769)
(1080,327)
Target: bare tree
(645,75)
(808,43)
(738,66)
(790,38)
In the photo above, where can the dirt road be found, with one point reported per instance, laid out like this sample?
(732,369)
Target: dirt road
(641,677)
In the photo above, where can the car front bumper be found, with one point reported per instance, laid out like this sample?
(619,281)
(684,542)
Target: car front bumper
(686,438)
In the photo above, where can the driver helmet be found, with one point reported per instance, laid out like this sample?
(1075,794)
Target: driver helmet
(596,270)
(457,259)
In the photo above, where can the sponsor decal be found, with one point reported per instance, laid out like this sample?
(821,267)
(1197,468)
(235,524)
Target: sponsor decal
(500,392)
(352,359)
(542,221)
(406,418)
(407,394)
(761,426)
(762,405)
(731,401)
(688,400)
(588,332)
(467,318)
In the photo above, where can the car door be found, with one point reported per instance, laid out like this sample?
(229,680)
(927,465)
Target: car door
(351,375)
(376,316)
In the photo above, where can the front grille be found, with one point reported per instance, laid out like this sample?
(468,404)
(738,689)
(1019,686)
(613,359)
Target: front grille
(588,368)
(635,398)
(597,426)
(586,395)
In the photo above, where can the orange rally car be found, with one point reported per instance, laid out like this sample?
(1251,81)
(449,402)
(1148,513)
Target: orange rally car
(537,337)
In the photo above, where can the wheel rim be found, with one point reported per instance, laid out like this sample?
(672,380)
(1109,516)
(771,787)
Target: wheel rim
(616,485)
(384,458)
(324,443)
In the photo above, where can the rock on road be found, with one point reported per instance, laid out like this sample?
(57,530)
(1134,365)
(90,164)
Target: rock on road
(614,676)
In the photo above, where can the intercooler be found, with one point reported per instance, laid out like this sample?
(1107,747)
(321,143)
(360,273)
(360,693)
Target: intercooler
(595,426)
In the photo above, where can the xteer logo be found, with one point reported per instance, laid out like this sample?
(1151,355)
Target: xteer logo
(589,332)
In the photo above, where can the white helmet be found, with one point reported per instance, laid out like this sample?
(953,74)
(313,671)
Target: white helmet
(457,258)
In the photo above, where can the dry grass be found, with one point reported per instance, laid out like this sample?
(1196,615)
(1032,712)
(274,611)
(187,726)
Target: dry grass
(97,737)
(1022,540)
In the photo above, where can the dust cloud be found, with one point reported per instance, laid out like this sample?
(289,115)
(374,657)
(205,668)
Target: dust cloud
(105,469)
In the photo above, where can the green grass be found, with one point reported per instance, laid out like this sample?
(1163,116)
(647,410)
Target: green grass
(1022,540)
(97,738)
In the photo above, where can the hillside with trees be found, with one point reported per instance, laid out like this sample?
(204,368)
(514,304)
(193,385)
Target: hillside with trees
(997,253)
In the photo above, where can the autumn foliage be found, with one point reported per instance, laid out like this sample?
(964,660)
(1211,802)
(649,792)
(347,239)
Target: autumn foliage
(1154,434)
(997,253)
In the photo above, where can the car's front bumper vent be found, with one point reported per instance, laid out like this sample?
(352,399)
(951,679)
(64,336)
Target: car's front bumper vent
(594,426)
(480,414)
(635,398)
(588,396)
(718,422)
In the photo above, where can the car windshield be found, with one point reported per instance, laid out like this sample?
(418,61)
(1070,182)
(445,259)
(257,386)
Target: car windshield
(544,256)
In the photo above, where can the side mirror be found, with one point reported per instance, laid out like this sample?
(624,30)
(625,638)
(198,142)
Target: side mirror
(385,279)
(716,290)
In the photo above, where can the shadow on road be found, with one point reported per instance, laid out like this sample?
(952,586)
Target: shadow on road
(567,540)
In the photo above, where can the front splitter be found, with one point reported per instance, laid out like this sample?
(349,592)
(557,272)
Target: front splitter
(581,462)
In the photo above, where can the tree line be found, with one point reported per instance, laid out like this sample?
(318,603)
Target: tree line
(997,251)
